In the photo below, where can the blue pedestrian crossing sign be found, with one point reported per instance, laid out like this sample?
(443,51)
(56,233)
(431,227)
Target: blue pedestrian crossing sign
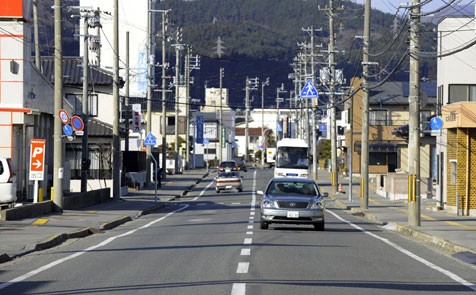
(309,91)
(150,139)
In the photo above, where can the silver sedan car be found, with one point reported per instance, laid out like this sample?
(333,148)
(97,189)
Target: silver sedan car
(225,181)
(292,201)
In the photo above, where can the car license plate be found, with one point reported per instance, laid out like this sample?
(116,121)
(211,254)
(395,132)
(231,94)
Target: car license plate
(293,214)
(228,187)
(292,174)
(227,169)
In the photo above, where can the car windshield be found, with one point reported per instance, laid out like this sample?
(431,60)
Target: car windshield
(292,187)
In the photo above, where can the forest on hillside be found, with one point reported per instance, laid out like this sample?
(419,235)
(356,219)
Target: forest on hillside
(259,38)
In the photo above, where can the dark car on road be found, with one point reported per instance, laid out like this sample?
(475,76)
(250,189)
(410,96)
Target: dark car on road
(292,201)
(227,166)
(241,162)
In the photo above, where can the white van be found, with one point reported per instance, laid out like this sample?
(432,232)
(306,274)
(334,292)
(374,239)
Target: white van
(8,181)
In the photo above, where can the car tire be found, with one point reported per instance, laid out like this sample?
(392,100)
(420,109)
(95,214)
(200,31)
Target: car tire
(319,226)
(263,225)
(240,189)
(218,191)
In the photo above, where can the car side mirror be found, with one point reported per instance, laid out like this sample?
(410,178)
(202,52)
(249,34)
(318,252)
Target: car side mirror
(261,193)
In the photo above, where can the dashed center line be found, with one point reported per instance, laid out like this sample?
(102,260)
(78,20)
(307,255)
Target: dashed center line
(247,241)
(245,252)
(243,267)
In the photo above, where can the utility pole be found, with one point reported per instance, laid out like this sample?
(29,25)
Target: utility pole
(164,106)
(85,107)
(364,142)
(263,84)
(187,107)
(333,131)
(150,83)
(116,140)
(414,119)
(251,84)
(278,91)
(313,106)
(58,103)
(126,94)
(220,118)
(178,47)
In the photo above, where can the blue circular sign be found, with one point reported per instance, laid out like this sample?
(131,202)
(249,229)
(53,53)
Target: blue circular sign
(436,123)
(68,131)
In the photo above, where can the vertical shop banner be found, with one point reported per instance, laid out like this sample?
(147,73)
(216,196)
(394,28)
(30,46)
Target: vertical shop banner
(136,118)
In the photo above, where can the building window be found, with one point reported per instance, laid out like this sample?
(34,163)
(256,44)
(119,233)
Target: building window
(378,117)
(377,159)
(461,92)
(453,171)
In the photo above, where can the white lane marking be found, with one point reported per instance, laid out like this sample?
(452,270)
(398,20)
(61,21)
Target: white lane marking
(249,232)
(252,213)
(252,217)
(238,289)
(251,221)
(243,267)
(247,241)
(203,191)
(249,227)
(77,254)
(245,252)
(429,264)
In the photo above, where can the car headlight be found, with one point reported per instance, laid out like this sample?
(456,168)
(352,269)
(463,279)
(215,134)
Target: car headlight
(316,205)
(268,204)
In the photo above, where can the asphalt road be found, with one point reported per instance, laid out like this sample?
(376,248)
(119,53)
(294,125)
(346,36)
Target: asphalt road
(209,243)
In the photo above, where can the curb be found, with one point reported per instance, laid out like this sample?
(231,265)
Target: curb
(436,241)
(433,240)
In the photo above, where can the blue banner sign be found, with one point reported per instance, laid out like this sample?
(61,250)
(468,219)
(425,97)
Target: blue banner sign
(199,138)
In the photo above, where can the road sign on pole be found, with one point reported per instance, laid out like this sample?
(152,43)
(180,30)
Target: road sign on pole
(150,140)
(37,159)
(309,91)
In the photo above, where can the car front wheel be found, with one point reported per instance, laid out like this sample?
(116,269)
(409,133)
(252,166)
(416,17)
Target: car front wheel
(263,225)
(319,226)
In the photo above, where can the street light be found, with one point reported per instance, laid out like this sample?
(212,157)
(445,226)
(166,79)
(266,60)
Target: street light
(266,83)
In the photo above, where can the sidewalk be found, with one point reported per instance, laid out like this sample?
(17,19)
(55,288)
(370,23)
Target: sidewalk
(19,237)
(456,234)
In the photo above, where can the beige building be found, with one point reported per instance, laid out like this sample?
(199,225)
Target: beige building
(388,136)
(457,95)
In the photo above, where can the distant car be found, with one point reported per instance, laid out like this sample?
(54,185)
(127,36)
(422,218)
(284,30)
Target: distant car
(228,181)
(227,166)
(241,163)
(292,201)
(7,181)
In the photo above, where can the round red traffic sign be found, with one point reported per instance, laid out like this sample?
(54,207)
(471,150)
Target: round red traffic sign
(77,122)
(64,117)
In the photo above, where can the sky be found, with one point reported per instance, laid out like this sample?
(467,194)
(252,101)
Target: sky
(391,6)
